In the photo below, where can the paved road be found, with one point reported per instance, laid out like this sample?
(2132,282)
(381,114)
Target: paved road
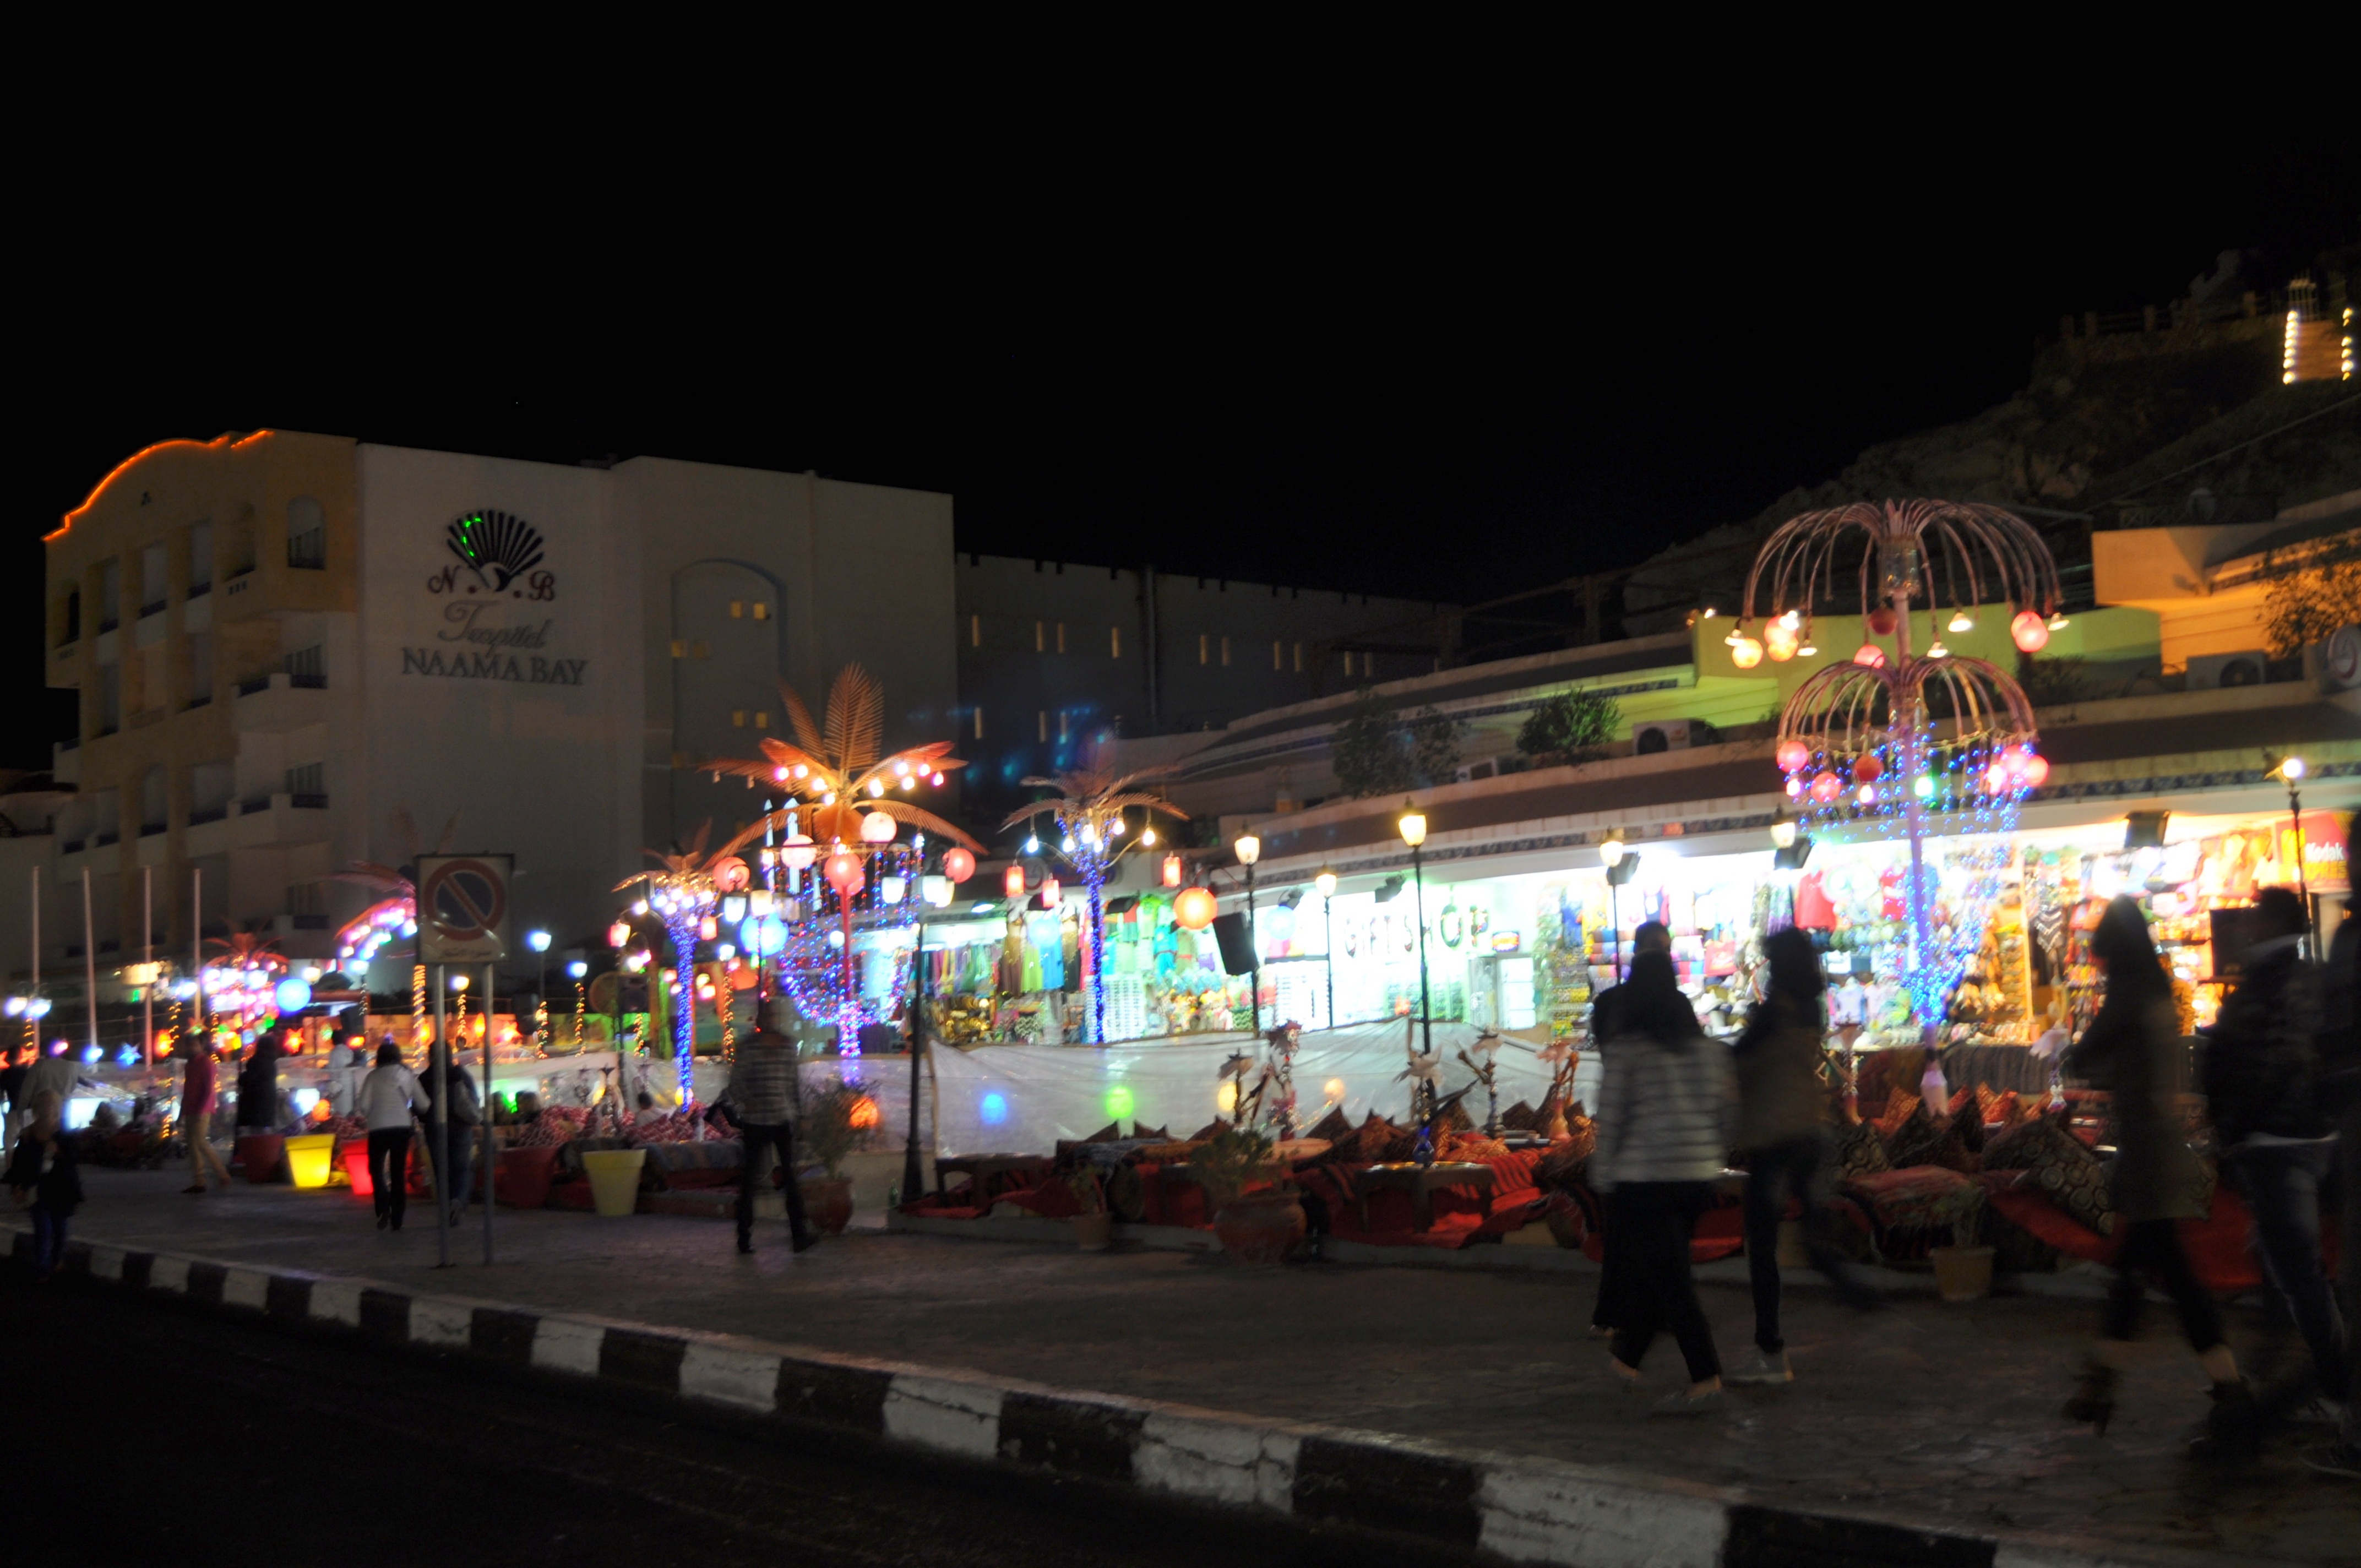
(150,1434)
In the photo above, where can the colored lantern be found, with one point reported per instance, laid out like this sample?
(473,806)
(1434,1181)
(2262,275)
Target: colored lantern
(1194,909)
(1011,882)
(1781,641)
(770,936)
(876,828)
(1793,755)
(1869,654)
(844,873)
(1827,787)
(798,853)
(1866,768)
(1051,892)
(730,874)
(958,864)
(1996,779)
(618,935)
(1881,621)
(1746,652)
(709,928)
(293,994)
(2035,770)
(1172,870)
(2028,631)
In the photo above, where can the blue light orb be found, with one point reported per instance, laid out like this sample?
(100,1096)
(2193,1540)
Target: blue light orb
(293,994)
(993,1109)
(770,936)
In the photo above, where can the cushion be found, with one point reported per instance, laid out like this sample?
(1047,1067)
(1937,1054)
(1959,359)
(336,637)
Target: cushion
(1996,1107)
(1454,1119)
(1899,1104)
(1959,1102)
(1109,1134)
(1211,1129)
(1473,1145)
(1860,1152)
(2071,1176)
(1917,1141)
(1522,1118)
(1158,1133)
(1332,1127)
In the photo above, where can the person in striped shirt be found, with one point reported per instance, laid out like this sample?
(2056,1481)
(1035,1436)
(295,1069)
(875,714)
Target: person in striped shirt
(761,1101)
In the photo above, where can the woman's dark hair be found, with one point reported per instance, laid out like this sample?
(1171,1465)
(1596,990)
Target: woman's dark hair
(389,1055)
(1795,972)
(2134,970)
(1652,1004)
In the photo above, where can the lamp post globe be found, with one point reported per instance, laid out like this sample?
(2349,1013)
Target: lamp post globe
(1249,850)
(1413,831)
(1325,881)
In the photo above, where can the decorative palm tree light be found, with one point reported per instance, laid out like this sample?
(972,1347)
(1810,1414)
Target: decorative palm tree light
(1087,812)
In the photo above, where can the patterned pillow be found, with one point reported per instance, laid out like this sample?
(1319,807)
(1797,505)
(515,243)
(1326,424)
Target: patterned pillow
(1455,1120)
(1959,1102)
(1899,1106)
(1565,1162)
(1522,1118)
(1996,1108)
(2017,1148)
(1213,1129)
(1332,1127)
(2069,1174)
(1917,1141)
(1475,1146)
(1110,1134)
(1859,1152)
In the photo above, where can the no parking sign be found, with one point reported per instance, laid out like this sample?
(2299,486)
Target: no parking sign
(463,908)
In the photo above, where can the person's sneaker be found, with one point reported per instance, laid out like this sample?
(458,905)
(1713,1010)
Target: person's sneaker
(1763,1366)
(2337,1459)
(745,1244)
(1685,1404)
(806,1242)
(1600,1330)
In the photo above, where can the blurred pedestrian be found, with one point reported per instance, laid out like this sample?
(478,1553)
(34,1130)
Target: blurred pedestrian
(198,1095)
(1664,1117)
(2340,1095)
(1782,1115)
(43,1176)
(761,1101)
(466,1112)
(2277,1141)
(1649,936)
(2133,1050)
(389,1098)
(15,1104)
(257,1085)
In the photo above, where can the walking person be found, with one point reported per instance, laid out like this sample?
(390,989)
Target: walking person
(2277,1142)
(257,1085)
(389,1097)
(1664,1117)
(2133,1050)
(466,1113)
(43,1176)
(198,1094)
(2340,1095)
(760,1101)
(1648,936)
(1783,1128)
(13,1098)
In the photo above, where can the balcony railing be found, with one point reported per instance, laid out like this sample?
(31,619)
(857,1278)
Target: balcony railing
(309,801)
(209,814)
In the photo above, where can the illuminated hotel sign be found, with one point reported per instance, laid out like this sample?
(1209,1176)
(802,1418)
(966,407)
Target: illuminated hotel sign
(496,557)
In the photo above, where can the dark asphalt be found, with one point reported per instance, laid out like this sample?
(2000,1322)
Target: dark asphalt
(154,1434)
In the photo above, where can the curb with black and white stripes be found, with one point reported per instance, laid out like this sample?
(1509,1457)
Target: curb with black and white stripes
(1526,1510)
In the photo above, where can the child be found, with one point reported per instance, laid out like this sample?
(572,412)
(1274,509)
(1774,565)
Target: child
(44,1175)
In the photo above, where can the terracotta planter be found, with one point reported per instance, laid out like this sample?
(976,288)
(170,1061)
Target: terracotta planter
(1094,1232)
(258,1154)
(523,1180)
(1259,1228)
(1963,1273)
(827,1204)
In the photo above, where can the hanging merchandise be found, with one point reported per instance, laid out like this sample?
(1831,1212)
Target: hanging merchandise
(1813,910)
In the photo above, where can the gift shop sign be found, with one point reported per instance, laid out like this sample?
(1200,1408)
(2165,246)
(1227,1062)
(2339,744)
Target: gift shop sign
(489,590)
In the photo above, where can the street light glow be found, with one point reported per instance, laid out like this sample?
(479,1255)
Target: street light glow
(1413,825)
(1325,882)
(1249,849)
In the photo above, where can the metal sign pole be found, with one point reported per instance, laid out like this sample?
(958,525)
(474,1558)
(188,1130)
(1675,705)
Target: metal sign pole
(439,1051)
(484,1117)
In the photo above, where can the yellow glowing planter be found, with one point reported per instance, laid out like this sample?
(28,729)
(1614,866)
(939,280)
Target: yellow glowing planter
(307,1156)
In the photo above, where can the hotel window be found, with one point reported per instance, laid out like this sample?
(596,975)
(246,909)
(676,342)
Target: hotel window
(978,721)
(762,718)
(1040,637)
(307,534)
(737,718)
(201,668)
(201,559)
(761,611)
(1203,643)
(1277,656)
(1045,724)
(1349,665)
(153,802)
(309,783)
(70,617)
(1299,658)
(1114,642)
(155,679)
(110,596)
(737,609)
(151,579)
(109,718)
(1062,637)
(975,631)
(1226,653)
(308,667)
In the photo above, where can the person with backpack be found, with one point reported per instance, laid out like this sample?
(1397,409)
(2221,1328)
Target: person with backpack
(2262,1085)
(389,1099)
(1783,1128)
(1663,1125)
(2133,1050)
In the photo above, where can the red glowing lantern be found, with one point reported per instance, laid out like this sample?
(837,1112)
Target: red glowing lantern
(619,933)
(709,928)
(730,874)
(2036,770)
(1746,652)
(1793,755)
(958,864)
(1866,768)
(844,873)
(1781,641)
(1194,909)
(876,828)
(2028,631)
(1827,787)
(1870,655)
(1011,882)
(1051,892)
(862,1114)
(1881,621)
(1172,870)
(798,853)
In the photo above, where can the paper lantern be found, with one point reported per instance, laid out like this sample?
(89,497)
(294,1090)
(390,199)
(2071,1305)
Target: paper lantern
(1866,768)
(1827,787)
(2035,771)
(730,874)
(798,853)
(876,828)
(293,994)
(1781,641)
(1870,656)
(1051,892)
(958,864)
(1996,779)
(1793,755)
(1172,870)
(2028,631)
(1012,883)
(618,935)
(1881,621)
(1746,652)
(844,873)
(1194,909)
(709,928)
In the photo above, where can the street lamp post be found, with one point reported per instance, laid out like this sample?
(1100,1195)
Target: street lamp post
(1610,854)
(1326,882)
(2292,775)
(1413,832)
(1250,850)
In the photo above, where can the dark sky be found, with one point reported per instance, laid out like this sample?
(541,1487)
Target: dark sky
(1411,360)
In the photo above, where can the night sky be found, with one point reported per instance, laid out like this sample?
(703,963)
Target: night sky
(1451,366)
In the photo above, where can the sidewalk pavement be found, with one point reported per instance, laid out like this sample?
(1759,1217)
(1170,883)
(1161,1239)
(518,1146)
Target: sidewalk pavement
(1929,1415)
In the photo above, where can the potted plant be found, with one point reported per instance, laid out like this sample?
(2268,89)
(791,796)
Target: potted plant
(1963,1271)
(1095,1226)
(1257,1227)
(838,1123)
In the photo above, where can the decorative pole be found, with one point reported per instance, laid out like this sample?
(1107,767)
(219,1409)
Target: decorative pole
(1413,832)
(1326,882)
